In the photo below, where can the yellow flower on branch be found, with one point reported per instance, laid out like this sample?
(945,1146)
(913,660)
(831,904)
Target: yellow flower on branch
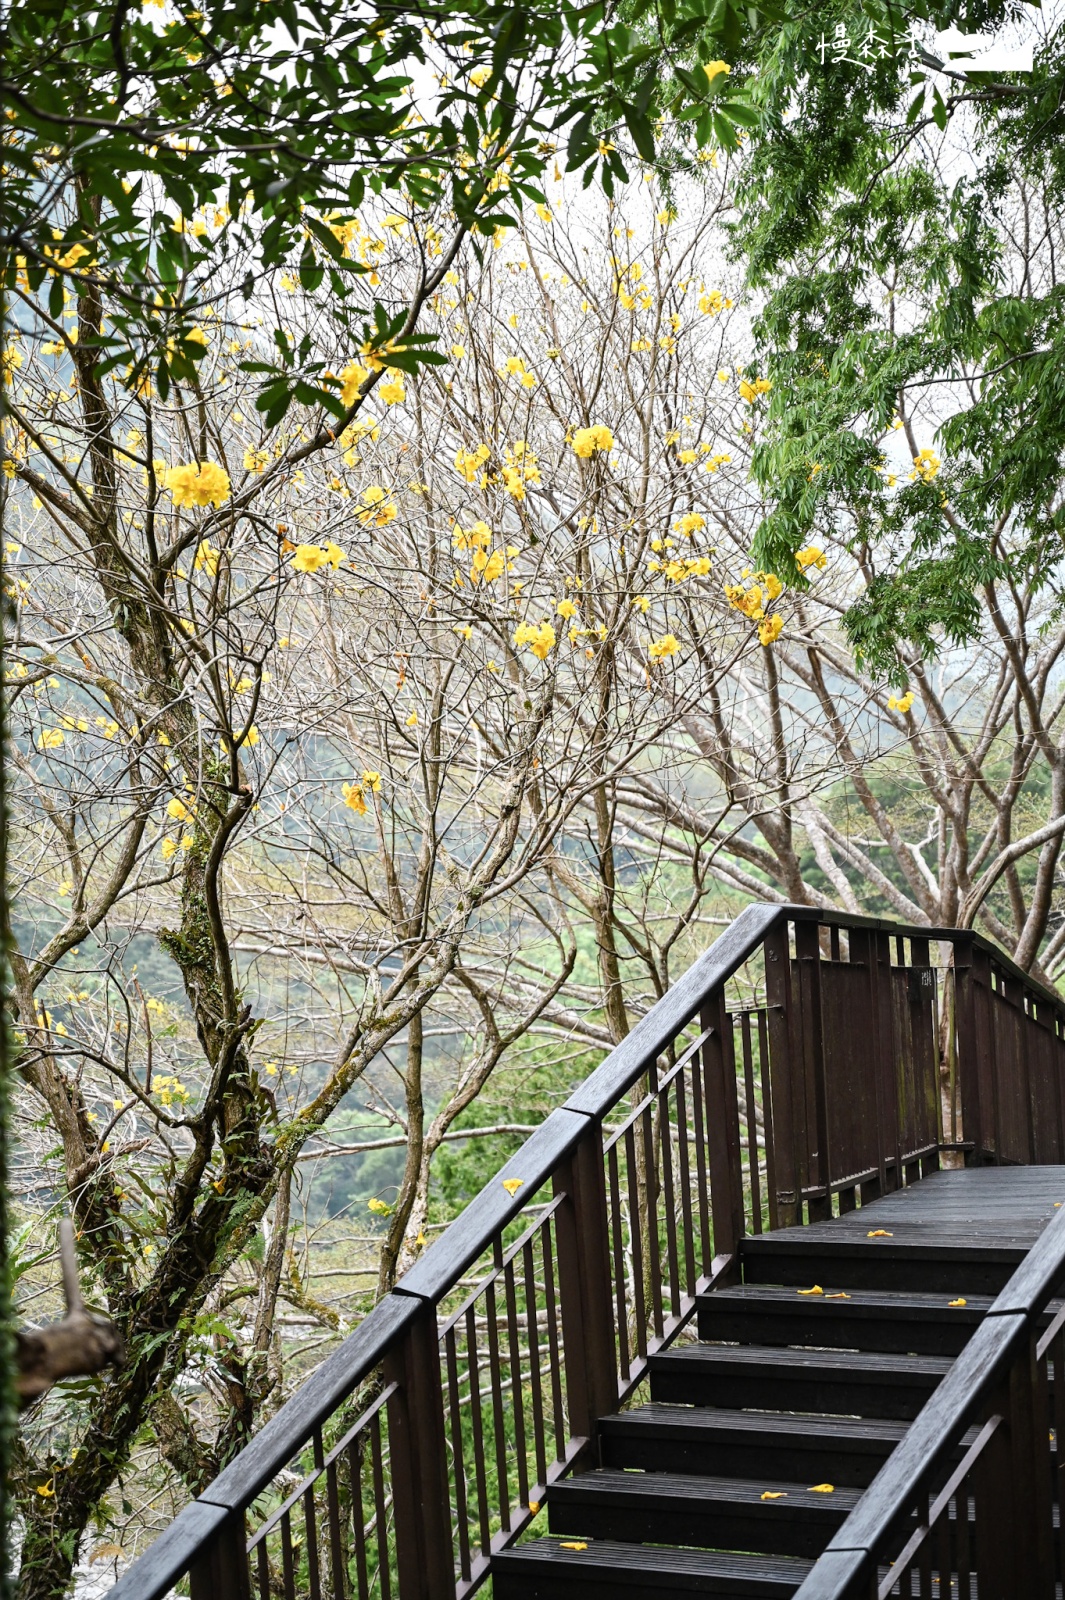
(309,557)
(376,507)
(392,391)
(691,522)
(810,557)
(203,485)
(50,739)
(470,462)
(539,639)
(354,798)
(662,648)
(714,69)
(901,702)
(586,441)
(769,629)
(256,460)
(372,781)
(566,608)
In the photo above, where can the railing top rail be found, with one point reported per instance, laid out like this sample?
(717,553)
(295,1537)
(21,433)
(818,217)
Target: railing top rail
(936,1430)
(440,1267)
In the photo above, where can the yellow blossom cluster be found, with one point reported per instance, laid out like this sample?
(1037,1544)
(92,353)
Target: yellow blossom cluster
(753,600)
(691,522)
(539,639)
(711,301)
(355,793)
(170,1090)
(748,390)
(312,557)
(256,461)
(586,441)
(376,507)
(469,462)
(520,466)
(925,465)
(901,702)
(205,484)
(662,648)
(811,556)
(679,567)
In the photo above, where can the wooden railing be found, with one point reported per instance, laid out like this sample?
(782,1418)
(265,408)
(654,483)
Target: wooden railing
(792,1073)
(968,1496)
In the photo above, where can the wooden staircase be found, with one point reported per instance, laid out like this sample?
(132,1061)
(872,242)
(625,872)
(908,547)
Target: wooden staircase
(757,1441)
(723,1275)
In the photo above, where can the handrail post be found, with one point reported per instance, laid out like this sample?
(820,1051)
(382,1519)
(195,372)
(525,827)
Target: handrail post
(421,1491)
(969,1050)
(722,1124)
(582,1233)
(220,1570)
(808,958)
(785,1203)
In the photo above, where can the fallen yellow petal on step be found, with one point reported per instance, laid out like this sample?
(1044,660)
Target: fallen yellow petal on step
(534,1506)
(770,1494)
(817,1289)
(822,1488)
(839,1296)
(879,1233)
(576,1545)
(512,1185)
(958,1302)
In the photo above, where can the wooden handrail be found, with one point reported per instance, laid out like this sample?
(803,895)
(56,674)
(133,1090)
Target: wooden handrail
(593,1329)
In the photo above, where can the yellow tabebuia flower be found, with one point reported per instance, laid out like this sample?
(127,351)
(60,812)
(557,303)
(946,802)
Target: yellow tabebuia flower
(309,557)
(586,441)
(376,507)
(206,559)
(480,76)
(810,557)
(540,640)
(392,391)
(566,608)
(691,522)
(50,739)
(354,798)
(203,485)
(352,379)
(662,648)
(926,464)
(714,69)
(256,460)
(470,462)
(770,628)
(479,537)
(901,702)
(178,810)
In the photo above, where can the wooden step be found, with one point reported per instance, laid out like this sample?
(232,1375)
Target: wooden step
(713,1513)
(544,1570)
(911,1259)
(921,1324)
(762,1447)
(830,1382)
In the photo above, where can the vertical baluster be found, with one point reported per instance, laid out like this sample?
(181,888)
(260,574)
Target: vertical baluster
(458,1452)
(1057,1378)
(477,1438)
(617,1242)
(654,1256)
(380,1505)
(499,1432)
(924,1553)
(555,1362)
(636,1243)
(752,1122)
(263,1570)
(358,1512)
(962,1549)
(767,1110)
(310,1525)
(338,1563)
(781,1084)
(288,1566)
(944,1557)
(706,1237)
(685,1182)
(514,1347)
(536,1397)
(669,1206)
